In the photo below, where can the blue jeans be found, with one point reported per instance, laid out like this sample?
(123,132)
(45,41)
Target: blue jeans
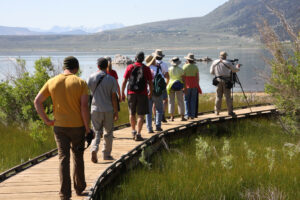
(158,101)
(190,100)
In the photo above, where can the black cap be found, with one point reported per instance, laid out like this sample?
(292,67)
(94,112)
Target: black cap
(140,56)
(102,63)
(71,62)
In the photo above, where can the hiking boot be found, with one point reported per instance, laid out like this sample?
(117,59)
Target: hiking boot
(158,129)
(183,119)
(164,119)
(94,158)
(138,137)
(109,157)
(133,134)
(232,114)
(151,131)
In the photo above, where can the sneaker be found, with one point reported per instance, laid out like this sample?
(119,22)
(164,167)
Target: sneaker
(133,134)
(232,114)
(158,129)
(151,131)
(138,137)
(183,119)
(109,157)
(217,112)
(172,119)
(94,157)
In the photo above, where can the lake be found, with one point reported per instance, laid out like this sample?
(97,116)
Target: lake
(251,60)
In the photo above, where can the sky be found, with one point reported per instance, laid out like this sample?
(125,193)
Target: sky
(45,14)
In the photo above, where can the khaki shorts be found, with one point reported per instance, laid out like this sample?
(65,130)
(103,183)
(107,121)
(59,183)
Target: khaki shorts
(138,103)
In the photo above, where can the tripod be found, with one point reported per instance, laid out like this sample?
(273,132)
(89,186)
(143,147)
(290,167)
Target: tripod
(235,79)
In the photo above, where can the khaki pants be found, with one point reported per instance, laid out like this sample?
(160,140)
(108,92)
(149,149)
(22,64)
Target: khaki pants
(180,103)
(221,89)
(73,138)
(100,120)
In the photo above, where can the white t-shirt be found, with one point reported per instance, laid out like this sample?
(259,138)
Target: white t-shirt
(164,66)
(161,71)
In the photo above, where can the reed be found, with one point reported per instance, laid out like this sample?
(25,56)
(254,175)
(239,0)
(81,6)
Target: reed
(249,159)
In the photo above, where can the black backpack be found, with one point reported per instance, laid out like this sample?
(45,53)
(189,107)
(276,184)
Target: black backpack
(159,83)
(137,82)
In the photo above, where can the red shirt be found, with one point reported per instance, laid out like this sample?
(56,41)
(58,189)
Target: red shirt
(147,76)
(113,73)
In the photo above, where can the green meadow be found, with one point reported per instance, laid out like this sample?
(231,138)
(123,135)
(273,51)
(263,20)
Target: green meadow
(17,146)
(246,159)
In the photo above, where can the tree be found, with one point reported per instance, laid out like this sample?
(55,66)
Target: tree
(284,82)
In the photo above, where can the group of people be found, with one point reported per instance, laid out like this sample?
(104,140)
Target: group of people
(150,88)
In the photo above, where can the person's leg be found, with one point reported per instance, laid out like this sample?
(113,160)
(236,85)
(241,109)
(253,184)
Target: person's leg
(227,94)
(165,105)
(193,102)
(97,125)
(219,95)
(132,107)
(77,135)
(172,103)
(63,146)
(187,103)
(149,115)
(142,110)
(108,135)
(180,103)
(158,101)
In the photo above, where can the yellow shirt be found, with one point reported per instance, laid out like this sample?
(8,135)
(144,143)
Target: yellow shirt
(66,91)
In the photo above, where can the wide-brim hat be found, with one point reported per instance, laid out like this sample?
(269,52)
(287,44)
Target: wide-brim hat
(190,56)
(223,54)
(150,60)
(175,61)
(158,53)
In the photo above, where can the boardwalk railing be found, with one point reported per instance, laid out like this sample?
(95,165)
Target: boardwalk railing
(153,144)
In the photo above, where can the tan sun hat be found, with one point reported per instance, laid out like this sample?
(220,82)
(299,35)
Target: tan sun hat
(190,56)
(223,54)
(158,53)
(150,60)
(175,61)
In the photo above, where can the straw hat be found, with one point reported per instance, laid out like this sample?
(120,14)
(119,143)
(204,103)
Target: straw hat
(190,56)
(223,54)
(150,60)
(175,61)
(158,53)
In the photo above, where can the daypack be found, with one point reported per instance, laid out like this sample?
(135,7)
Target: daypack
(159,84)
(137,82)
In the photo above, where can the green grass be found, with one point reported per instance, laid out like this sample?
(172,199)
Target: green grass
(204,167)
(16,146)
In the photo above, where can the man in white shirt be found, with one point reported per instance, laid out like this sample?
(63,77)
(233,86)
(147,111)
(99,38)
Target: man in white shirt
(222,69)
(158,54)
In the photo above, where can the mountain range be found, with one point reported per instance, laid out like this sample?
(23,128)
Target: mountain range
(58,30)
(231,24)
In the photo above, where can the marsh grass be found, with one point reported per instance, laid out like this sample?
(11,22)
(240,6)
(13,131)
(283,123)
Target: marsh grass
(249,159)
(16,145)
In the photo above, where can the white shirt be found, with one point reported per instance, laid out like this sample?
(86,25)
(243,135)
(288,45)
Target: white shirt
(163,65)
(153,70)
(218,68)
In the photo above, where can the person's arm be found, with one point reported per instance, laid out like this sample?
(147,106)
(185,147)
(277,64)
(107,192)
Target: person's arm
(123,89)
(167,77)
(150,83)
(115,105)
(212,71)
(38,104)
(85,114)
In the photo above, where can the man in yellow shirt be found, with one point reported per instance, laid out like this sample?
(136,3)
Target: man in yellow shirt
(69,95)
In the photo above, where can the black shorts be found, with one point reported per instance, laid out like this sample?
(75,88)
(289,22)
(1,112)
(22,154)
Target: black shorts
(138,103)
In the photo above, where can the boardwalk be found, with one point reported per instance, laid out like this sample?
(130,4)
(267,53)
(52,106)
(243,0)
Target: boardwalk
(42,181)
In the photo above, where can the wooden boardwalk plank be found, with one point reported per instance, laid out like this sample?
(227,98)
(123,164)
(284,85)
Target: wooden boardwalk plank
(42,180)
